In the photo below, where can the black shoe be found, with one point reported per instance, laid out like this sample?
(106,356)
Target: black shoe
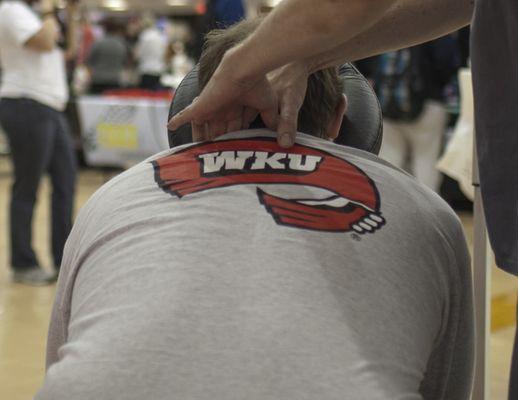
(34,276)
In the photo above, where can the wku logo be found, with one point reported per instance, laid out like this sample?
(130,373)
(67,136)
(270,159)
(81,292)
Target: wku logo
(352,205)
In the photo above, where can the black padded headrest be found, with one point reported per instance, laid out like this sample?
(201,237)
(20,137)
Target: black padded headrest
(362,127)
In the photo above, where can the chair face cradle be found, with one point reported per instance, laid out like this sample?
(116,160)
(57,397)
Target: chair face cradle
(362,127)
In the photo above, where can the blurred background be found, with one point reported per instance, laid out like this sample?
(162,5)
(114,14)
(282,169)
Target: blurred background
(129,57)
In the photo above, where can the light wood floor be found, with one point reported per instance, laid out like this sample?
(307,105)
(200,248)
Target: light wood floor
(24,311)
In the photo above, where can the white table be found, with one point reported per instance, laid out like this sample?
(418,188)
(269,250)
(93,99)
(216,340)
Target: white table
(119,131)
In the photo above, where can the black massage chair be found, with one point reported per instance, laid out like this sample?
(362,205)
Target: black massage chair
(362,127)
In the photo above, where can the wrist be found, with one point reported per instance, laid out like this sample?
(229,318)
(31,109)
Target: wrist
(47,12)
(302,68)
(47,6)
(315,64)
(248,62)
(234,67)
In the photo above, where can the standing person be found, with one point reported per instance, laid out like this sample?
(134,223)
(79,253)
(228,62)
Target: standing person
(33,95)
(181,63)
(410,86)
(150,53)
(107,59)
(301,36)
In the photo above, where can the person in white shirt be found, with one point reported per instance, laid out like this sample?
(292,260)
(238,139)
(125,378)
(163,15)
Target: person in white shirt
(33,95)
(150,53)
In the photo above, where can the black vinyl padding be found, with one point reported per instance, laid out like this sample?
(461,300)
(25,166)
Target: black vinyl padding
(362,127)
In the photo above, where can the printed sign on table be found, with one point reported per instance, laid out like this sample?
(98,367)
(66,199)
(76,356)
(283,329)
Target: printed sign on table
(120,132)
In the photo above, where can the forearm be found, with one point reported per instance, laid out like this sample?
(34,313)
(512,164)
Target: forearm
(298,29)
(45,39)
(406,23)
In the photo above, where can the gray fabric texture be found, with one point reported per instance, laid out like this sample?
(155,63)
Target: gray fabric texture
(107,59)
(494,52)
(213,295)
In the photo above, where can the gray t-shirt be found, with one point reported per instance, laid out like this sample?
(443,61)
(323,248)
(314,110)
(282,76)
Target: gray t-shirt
(494,53)
(239,270)
(107,59)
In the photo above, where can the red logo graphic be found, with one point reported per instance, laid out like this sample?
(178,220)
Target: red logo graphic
(353,204)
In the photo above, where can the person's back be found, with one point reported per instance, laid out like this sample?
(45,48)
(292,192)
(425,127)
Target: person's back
(107,59)
(406,79)
(238,269)
(150,52)
(410,84)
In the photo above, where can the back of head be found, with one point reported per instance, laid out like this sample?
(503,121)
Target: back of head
(148,20)
(324,90)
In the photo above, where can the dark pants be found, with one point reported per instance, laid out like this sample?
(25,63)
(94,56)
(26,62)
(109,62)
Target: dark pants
(40,142)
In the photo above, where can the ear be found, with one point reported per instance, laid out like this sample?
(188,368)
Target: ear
(334,126)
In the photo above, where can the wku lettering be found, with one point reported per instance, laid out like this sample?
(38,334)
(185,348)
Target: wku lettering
(257,161)
(353,204)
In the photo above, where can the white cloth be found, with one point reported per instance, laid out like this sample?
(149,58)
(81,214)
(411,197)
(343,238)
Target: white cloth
(150,52)
(421,139)
(28,73)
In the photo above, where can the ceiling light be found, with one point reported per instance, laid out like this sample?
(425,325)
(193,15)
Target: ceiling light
(119,5)
(179,3)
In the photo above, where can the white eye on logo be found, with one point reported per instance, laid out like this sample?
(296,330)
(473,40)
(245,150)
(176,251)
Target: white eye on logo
(369,223)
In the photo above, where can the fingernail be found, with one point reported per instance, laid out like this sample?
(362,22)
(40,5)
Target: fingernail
(285,140)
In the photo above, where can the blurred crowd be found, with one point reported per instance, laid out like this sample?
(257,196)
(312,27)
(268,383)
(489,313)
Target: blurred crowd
(137,51)
(144,50)
(417,87)
(51,53)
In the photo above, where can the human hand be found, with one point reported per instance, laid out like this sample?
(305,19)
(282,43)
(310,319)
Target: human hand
(228,104)
(289,84)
